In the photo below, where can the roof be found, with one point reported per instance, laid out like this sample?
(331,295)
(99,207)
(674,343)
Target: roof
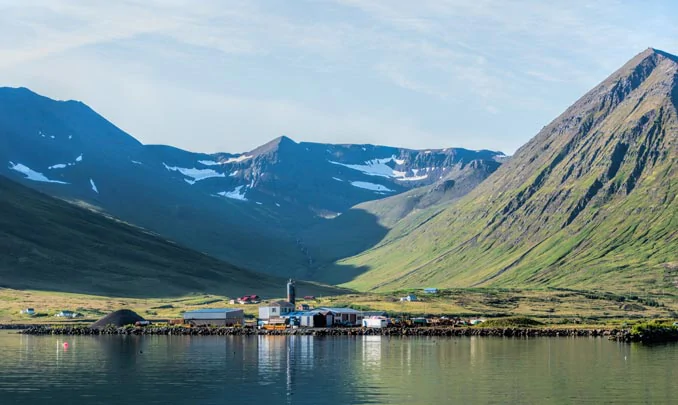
(280,304)
(212,310)
(342,310)
(296,313)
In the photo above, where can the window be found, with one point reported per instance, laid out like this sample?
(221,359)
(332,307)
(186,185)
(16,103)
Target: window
(273,310)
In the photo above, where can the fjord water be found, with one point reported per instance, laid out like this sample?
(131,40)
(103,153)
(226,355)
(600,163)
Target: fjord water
(336,370)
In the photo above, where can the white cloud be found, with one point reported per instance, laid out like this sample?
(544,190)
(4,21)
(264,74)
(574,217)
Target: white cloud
(213,76)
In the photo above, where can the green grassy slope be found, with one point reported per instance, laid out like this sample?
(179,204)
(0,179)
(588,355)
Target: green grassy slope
(590,202)
(47,244)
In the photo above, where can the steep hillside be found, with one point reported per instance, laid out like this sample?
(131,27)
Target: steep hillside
(250,209)
(47,244)
(349,234)
(589,202)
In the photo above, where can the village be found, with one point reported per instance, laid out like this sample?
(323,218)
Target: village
(283,314)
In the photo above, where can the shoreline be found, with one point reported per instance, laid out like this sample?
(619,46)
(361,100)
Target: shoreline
(614,334)
(337,331)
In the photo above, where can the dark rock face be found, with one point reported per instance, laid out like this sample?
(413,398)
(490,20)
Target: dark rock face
(117,319)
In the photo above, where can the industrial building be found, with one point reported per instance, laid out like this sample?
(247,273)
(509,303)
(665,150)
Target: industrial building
(345,316)
(215,317)
(317,319)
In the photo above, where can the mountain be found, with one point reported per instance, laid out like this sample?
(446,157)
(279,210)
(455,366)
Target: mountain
(589,202)
(252,209)
(48,244)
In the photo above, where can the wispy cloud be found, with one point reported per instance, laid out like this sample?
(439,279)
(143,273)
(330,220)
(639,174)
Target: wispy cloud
(332,70)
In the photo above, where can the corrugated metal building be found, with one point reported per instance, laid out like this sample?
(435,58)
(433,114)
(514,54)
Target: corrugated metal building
(215,317)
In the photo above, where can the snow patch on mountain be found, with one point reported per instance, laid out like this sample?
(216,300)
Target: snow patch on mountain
(233,174)
(94,186)
(377,167)
(240,158)
(32,174)
(136,162)
(64,165)
(413,178)
(208,162)
(237,194)
(370,186)
(337,179)
(194,174)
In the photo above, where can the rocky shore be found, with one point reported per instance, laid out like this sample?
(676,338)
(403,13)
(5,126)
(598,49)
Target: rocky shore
(412,331)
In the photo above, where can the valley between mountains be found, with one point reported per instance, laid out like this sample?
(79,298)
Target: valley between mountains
(590,203)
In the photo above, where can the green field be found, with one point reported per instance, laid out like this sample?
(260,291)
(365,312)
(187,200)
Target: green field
(550,306)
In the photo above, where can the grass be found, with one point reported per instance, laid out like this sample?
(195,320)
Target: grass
(550,307)
(514,230)
(50,245)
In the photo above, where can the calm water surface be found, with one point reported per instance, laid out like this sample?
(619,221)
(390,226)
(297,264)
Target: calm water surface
(338,370)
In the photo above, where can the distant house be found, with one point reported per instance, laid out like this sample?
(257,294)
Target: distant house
(215,316)
(67,314)
(345,316)
(249,299)
(409,298)
(430,291)
(476,321)
(275,310)
(309,297)
(28,311)
(303,307)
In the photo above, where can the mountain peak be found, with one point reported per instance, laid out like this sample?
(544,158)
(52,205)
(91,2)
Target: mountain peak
(274,145)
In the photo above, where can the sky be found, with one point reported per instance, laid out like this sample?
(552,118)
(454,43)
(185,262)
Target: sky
(231,75)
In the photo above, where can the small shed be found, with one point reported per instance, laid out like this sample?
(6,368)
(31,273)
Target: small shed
(65,314)
(430,291)
(28,311)
(275,310)
(215,316)
(409,298)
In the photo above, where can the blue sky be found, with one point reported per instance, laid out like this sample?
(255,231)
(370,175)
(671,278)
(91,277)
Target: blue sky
(231,75)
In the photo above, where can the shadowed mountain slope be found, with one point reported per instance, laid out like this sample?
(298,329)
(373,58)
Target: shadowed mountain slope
(48,244)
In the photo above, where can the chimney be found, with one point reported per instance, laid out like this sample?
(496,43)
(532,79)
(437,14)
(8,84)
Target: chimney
(291,296)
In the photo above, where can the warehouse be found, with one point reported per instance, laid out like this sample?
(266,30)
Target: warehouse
(215,317)
(317,319)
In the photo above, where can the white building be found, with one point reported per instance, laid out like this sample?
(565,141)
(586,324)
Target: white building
(375,322)
(275,310)
(409,298)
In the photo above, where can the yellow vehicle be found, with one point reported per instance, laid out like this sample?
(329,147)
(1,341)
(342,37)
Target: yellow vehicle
(274,327)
